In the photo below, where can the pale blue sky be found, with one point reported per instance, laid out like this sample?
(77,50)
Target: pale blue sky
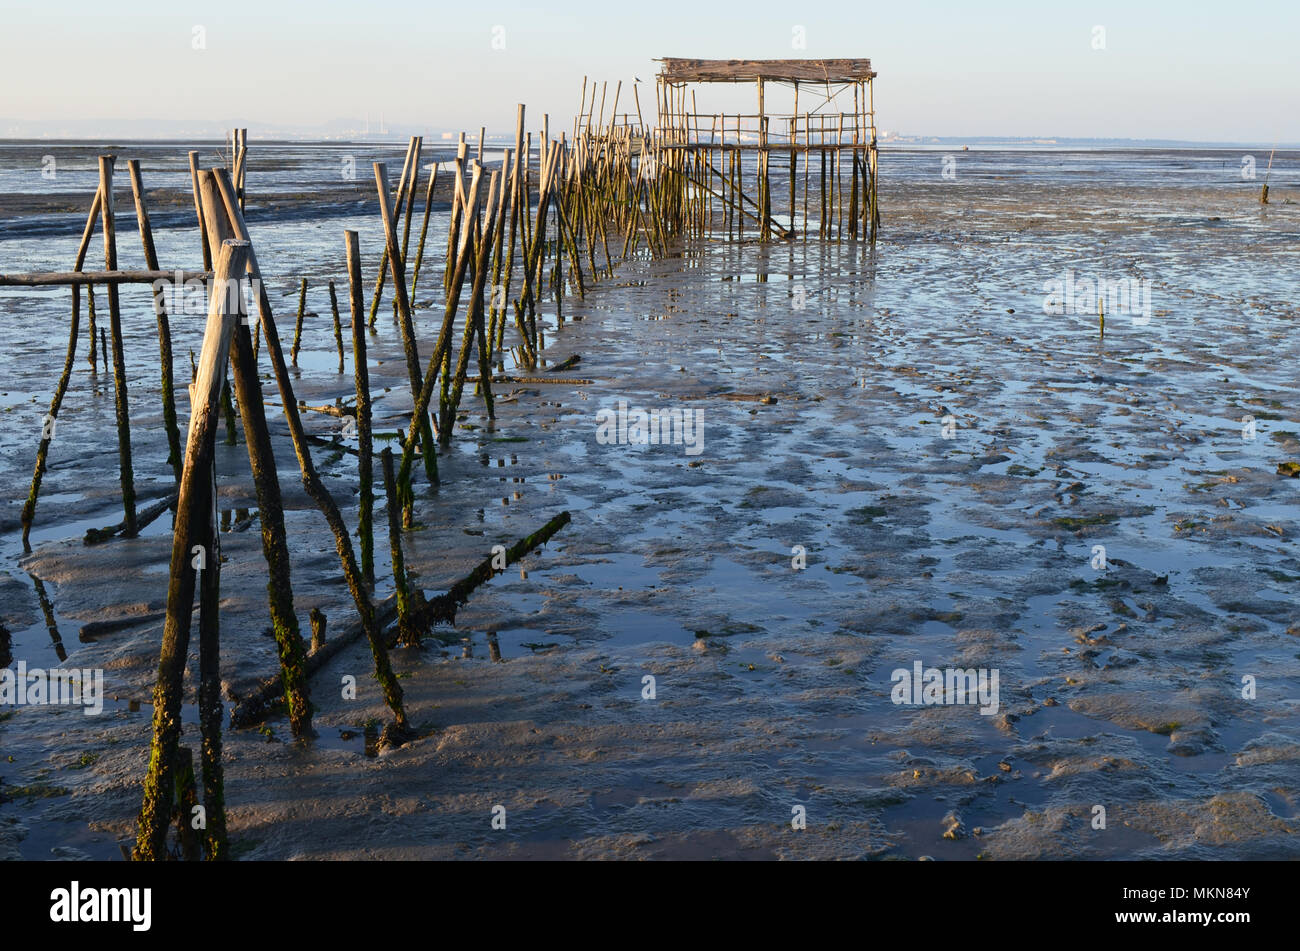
(1185,70)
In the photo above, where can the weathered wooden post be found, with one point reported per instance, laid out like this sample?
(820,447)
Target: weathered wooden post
(119,356)
(311,479)
(190,556)
(266,481)
(164,327)
(398,264)
(361,375)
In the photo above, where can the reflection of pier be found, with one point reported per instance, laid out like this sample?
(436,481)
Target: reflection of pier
(810,120)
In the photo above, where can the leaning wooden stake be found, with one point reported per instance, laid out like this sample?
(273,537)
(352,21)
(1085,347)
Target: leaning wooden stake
(189,555)
(424,229)
(164,327)
(210,705)
(408,632)
(311,480)
(49,422)
(297,327)
(361,374)
(119,356)
(442,349)
(48,425)
(398,265)
(474,320)
(266,481)
(440,608)
(338,325)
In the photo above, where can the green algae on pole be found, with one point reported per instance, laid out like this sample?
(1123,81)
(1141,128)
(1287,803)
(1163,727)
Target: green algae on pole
(189,557)
(361,376)
(120,401)
(187,801)
(297,327)
(266,482)
(474,318)
(164,327)
(318,622)
(311,480)
(407,326)
(338,327)
(439,609)
(442,608)
(408,632)
(47,431)
(49,423)
(424,229)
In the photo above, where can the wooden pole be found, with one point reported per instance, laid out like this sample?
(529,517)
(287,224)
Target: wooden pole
(338,326)
(266,481)
(474,317)
(47,433)
(107,278)
(408,633)
(164,327)
(47,430)
(443,346)
(406,324)
(311,480)
(189,555)
(211,708)
(119,357)
(361,375)
(198,209)
(297,326)
(424,229)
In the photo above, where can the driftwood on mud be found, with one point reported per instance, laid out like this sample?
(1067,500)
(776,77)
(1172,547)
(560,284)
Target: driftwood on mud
(440,609)
(96,535)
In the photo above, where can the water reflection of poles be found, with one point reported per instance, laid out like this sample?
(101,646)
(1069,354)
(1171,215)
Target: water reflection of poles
(50,624)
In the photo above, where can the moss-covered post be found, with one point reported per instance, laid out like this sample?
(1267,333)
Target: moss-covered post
(187,798)
(407,632)
(48,425)
(49,422)
(361,375)
(318,622)
(266,481)
(119,357)
(211,709)
(403,301)
(189,557)
(338,326)
(311,480)
(297,327)
(164,326)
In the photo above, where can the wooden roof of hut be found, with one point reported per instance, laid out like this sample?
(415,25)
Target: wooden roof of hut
(678,70)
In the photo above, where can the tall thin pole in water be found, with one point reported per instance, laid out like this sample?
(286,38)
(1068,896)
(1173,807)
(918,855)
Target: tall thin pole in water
(190,556)
(119,356)
(361,375)
(164,326)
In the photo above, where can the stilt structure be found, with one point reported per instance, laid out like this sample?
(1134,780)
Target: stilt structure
(722,162)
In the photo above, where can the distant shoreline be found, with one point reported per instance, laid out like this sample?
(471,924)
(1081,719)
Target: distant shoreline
(496,142)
